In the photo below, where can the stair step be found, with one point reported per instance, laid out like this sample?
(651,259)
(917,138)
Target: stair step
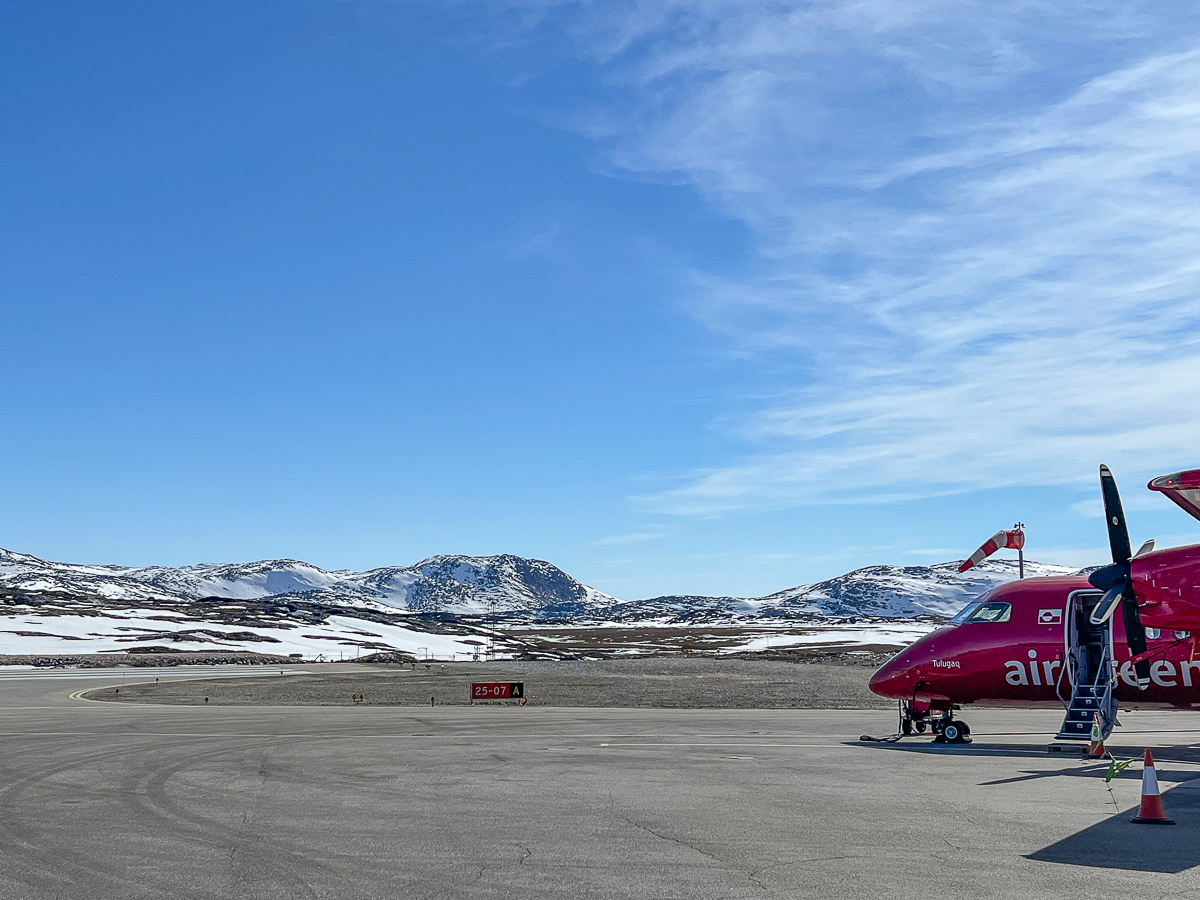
(1071,736)
(1086,701)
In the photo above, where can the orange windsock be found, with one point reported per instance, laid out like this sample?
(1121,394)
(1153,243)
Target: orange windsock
(1007,539)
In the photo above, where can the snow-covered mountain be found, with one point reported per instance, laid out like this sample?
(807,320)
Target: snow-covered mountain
(462,585)
(442,605)
(478,584)
(888,592)
(436,607)
(904,591)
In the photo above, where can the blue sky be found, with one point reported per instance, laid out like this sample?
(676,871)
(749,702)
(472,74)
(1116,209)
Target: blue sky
(707,297)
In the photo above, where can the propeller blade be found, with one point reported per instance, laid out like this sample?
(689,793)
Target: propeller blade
(1117,580)
(1114,517)
(1108,605)
(1141,669)
(1145,548)
(1135,637)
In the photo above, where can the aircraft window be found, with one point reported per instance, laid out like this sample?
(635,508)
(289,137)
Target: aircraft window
(992,611)
(965,613)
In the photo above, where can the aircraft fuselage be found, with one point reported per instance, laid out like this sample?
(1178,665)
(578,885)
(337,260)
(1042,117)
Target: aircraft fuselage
(1018,658)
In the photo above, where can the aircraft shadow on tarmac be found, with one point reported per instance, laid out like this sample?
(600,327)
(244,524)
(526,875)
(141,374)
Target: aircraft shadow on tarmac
(1116,843)
(927,746)
(1161,754)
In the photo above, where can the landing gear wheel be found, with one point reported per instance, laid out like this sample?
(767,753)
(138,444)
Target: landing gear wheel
(956,733)
(906,726)
(922,725)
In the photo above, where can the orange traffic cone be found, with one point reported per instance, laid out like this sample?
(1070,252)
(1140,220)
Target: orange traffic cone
(1151,812)
(1096,747)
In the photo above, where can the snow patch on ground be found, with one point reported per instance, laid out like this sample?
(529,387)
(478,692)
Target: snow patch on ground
(899,635)
(337,637)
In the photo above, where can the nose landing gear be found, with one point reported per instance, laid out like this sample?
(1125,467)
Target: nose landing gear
(946,728)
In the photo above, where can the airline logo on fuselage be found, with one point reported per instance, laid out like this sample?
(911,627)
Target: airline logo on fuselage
(1163,672)
(1018,674)
(1050,616)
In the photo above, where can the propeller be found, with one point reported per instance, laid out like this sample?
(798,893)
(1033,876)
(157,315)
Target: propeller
(1116,580)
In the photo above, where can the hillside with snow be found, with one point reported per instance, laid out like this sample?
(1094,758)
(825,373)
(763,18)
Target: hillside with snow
(904,591)
(451,584)
(444,606)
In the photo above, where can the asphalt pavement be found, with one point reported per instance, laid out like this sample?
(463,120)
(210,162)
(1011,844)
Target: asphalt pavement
(107,800)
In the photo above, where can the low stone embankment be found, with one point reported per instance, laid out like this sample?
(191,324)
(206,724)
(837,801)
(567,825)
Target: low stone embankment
(146,660)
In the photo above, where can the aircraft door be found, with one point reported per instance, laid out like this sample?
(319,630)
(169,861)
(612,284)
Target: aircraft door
(1090,669)
(1088,647)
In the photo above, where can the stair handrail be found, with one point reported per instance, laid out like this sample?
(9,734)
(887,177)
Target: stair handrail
(1069,663)
(1107,671)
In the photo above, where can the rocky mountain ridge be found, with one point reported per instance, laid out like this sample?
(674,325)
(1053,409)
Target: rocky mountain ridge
(508,586)
(462,585)
(449,604)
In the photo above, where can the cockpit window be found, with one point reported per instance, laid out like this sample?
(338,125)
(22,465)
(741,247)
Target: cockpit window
(965,613)
(992,611)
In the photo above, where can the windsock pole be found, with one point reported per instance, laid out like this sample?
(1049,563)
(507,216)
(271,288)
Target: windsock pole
(1151,811)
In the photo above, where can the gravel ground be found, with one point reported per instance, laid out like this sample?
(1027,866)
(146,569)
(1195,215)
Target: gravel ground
(657,682)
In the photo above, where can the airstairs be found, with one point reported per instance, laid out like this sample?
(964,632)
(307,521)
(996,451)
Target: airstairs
(1086,701)
(1091,671)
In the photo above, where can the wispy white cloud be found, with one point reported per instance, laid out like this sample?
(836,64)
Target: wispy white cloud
(978,230)
(543,242)
(618,540)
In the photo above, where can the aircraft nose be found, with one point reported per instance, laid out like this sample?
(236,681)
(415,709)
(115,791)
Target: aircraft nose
(893,679)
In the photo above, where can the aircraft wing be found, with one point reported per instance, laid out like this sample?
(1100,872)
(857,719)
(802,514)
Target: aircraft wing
(1182,488)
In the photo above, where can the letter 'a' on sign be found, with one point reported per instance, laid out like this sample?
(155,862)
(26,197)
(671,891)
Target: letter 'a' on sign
(516,689)
(1050,616)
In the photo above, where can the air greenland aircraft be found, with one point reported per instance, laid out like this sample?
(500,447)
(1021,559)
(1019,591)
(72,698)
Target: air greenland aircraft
(1056,641)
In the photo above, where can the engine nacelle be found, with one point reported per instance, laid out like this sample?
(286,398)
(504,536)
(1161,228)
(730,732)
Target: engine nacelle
(1167,584)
